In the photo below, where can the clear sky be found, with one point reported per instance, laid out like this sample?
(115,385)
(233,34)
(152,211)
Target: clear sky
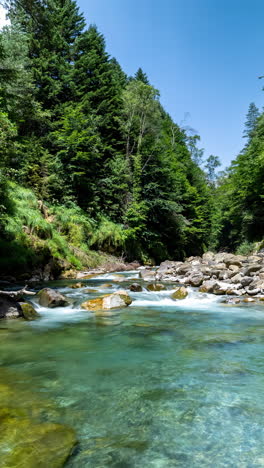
(204,56)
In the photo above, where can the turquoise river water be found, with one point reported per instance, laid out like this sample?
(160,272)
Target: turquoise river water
(162,384)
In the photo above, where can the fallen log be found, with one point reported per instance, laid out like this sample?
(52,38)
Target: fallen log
(17,295)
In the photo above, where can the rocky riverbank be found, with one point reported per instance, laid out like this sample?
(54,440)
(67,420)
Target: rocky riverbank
(221,274)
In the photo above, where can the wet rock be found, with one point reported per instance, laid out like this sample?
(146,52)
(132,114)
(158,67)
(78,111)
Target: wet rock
(249,299)
(28,311)
(77,285)
(233,300)
(156,287)
(31,444)
(135,287)
(180,293)
(90,291)
(117,300)
(50,298)
(9,308)
(106,286)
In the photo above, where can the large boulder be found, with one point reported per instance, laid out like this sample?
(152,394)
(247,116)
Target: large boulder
(28,311)
(180,293)
(117,300)
(50,298)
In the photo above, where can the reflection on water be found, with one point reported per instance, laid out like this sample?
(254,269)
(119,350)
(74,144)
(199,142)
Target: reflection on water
(162,385)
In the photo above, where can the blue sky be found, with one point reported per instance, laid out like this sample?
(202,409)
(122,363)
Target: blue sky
(204,56)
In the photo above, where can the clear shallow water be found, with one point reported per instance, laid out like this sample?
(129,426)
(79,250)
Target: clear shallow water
(162,384)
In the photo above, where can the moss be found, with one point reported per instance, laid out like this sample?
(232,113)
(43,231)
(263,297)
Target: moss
(28,311)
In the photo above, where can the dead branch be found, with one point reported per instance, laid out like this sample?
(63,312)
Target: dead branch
(17,295)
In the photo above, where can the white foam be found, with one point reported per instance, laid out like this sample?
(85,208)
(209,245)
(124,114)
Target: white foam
(59,315)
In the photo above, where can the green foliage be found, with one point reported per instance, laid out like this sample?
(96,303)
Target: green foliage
(246,248)
(116,173)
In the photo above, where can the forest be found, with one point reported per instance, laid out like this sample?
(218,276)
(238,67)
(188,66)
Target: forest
(92,164)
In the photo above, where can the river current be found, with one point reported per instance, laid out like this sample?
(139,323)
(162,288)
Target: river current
(161,384)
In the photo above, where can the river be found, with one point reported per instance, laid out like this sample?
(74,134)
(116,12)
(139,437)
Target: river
(161,384)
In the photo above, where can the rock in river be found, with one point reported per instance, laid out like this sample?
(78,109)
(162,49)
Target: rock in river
(51,298)
(180,293)
(107,302)
(28,311)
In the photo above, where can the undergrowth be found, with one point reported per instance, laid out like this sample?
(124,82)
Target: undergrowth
(34,233)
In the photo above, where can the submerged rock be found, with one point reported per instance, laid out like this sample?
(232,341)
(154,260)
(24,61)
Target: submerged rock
(50,298)
(180,293)
(31,444)
(156,287)
(28,311)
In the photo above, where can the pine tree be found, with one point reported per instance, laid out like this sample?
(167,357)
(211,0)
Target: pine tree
(251,121)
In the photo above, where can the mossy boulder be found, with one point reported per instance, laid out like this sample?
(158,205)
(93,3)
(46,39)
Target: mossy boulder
(156,287)
(28,311)
(180,293)
(50,298)
(26,444)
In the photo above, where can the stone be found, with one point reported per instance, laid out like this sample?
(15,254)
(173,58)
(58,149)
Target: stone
(147,275)
(251,269)
(50,298)
(116,300)
(246,280)
(249,299)
(234,268)
(196,279)
(77,285)
(254,259)
(156,287)
(208,286)
(183,269)
(208,256)
(28,311)
(236,279)
(135,287)
(180,293)
(106,286)
(9,308)
(90,291)
(31,444)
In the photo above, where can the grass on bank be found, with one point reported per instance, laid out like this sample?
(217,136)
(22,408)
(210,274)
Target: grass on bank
(34,233)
